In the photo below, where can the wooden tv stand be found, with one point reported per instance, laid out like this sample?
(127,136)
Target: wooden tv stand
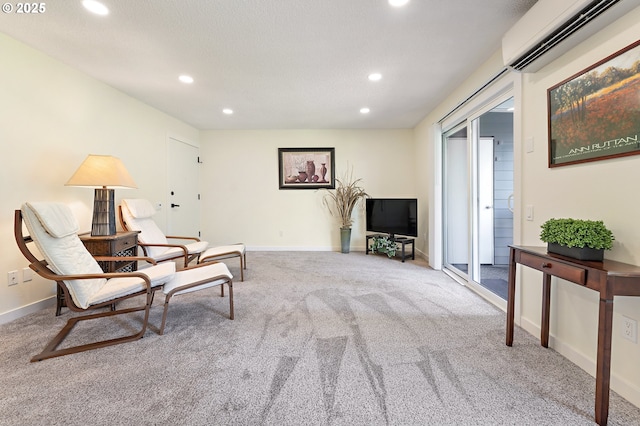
(609,278)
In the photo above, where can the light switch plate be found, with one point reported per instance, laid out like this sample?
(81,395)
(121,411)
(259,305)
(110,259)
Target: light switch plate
(528,144)
(529,212)
(27,275)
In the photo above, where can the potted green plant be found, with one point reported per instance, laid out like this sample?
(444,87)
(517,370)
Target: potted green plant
(341,203)
(577,238)
(383,244)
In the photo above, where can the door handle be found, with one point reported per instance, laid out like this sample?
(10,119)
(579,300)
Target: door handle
(174,205)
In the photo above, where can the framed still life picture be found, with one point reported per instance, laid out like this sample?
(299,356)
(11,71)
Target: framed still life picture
(306,168)
(595,114)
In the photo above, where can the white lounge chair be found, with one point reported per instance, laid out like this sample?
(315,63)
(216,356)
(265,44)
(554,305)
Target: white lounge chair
(53,229)
(137,215)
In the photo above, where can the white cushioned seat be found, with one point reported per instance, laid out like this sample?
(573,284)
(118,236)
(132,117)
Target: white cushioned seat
(117,287)
(220,252)
(173,252)
(187,276)
(198,277)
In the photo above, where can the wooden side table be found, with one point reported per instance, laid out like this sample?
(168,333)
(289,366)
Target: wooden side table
(608,278)
(122,244)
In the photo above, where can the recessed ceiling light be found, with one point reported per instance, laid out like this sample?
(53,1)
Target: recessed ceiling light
(187,79)
(227,111)
(364,110)
(398,3)
(95,7)
(376,76)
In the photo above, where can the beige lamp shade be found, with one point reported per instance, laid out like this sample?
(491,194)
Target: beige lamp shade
(101,171)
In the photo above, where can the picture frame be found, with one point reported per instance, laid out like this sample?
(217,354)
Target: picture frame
(593,115)
(306,168)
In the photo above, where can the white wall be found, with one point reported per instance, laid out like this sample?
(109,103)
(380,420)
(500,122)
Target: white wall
(599,190)
(241,200)
(51,118)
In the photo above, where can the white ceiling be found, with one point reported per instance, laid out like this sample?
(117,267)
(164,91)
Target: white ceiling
(279,64)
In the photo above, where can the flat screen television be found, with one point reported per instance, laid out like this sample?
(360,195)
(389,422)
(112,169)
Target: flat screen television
(393,216)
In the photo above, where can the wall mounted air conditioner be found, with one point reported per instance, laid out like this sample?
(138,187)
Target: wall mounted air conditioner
(552,27)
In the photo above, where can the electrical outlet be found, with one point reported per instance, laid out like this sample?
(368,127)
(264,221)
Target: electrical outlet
(12,277)
(630,329)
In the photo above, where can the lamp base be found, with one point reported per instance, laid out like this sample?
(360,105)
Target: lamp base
(104,213)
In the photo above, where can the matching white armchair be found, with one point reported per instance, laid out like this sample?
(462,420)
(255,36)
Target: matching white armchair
(137,215)
(53,229)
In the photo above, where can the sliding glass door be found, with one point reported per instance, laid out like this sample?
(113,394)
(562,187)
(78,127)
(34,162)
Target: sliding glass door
(477,188)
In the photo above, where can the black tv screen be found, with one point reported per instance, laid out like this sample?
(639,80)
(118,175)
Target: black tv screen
(393,216)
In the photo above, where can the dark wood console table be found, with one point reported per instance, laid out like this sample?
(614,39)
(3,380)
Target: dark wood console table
(609,278)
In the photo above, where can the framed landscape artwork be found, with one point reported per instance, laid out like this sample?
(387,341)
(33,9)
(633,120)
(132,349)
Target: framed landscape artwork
(595,114)
(306,168)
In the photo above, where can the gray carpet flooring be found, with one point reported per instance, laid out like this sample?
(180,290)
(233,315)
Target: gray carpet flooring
(319,338)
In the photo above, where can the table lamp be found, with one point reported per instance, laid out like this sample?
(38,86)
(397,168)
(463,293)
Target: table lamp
(102,172)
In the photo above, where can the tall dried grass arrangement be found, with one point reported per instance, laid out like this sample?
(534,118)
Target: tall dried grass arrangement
(344,199)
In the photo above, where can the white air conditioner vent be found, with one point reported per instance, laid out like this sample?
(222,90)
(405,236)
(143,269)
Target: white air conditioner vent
(552,27)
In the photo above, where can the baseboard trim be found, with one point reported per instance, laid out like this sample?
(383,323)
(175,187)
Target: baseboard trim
(619,385)
(27,309)
(289,248)
(419,253)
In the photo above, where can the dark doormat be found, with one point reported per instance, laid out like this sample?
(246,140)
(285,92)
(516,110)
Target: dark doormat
(497,286)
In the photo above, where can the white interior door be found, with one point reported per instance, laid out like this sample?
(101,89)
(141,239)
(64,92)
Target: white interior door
(184,206)
(457,201)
